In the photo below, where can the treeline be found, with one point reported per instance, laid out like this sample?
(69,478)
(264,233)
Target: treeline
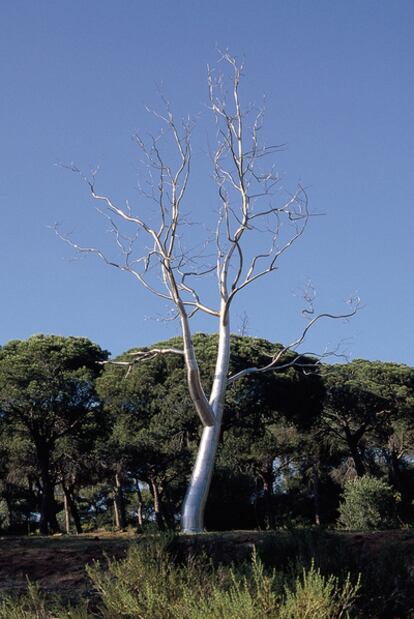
(85,444)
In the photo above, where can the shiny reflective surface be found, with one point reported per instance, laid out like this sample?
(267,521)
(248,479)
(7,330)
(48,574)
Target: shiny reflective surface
(192,519)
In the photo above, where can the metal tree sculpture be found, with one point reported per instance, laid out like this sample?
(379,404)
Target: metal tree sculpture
(243,186)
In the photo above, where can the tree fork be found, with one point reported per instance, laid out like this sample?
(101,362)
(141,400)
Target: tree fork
(242,182)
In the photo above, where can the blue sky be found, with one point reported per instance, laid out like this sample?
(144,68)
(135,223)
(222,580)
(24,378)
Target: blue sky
(337,76)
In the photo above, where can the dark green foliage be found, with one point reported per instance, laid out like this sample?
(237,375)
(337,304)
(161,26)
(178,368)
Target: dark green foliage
(369,404)
(47,395)
(118,446)
(368,416)
(155,431)
(368,503)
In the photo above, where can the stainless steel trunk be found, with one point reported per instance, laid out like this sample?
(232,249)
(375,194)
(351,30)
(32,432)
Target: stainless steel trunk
(192,516)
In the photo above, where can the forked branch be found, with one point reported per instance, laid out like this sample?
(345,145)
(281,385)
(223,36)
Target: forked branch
(252,203)
(277,362)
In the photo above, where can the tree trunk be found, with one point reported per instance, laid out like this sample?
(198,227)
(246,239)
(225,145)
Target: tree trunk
(67,514)
(48,522)
(316,494)
(117,520)
(157,504)
(75,513)
(192,516)
(359,465)
(9,505)
(140,520)
(119,504)
(267,477)
(355,454)
(395,474)
(70,506)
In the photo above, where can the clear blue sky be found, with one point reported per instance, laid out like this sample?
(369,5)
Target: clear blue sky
(338,80)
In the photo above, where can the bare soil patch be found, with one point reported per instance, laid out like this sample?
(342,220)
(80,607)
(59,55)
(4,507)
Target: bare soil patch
(57,563)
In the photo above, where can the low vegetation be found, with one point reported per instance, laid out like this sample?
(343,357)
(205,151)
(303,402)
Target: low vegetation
(150,584)
(300,574)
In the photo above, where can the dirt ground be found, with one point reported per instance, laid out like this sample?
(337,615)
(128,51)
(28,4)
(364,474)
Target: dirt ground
(57,563)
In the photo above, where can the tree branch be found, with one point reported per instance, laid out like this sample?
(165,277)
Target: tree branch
(295,362)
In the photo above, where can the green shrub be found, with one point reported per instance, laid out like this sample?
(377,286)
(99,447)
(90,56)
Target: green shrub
(319,597)
(33,605)
(253,595)
(146,584)
(150,584)
(368,503)
(30,606)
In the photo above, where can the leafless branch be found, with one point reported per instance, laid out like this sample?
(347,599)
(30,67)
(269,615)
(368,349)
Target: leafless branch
(277,363)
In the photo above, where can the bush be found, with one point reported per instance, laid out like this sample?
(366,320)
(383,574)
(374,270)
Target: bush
(33,605)
(368,504)
(150,584)
(315,595)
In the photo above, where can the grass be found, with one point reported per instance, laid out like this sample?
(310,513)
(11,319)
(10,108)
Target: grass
(219,575)
(150,584)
